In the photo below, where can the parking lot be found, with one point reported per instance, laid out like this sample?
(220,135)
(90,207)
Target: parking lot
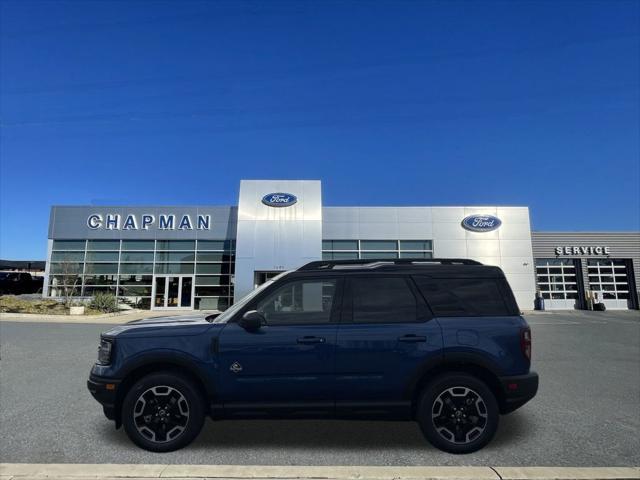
(587,412)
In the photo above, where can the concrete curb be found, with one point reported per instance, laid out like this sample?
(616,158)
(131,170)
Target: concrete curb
(107,318)
(25,471)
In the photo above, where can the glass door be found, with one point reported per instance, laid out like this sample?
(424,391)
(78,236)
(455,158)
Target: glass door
(173,291)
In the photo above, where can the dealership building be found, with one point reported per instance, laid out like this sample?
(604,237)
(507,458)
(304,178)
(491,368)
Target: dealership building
(204,257)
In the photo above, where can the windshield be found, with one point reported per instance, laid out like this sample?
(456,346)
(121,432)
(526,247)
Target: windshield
(230,312)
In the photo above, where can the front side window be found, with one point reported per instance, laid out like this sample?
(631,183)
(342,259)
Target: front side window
(383,300)
(299,302)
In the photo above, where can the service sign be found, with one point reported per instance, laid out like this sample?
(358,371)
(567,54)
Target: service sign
(279,199)
(481,223)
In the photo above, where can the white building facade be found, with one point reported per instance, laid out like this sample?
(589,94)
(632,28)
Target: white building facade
(206,257)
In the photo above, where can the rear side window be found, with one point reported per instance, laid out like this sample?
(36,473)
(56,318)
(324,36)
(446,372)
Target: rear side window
(383,300)
(452,297)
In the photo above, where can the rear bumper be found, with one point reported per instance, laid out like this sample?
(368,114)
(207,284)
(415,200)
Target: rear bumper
(104,390)
(518,390)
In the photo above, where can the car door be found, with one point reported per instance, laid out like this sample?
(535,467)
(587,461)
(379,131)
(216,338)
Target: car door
(286,366)
(386,335)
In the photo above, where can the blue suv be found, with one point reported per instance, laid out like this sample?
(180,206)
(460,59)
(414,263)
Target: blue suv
(440,342)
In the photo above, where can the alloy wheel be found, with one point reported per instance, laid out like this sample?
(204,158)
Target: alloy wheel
(459,415)
(161,414)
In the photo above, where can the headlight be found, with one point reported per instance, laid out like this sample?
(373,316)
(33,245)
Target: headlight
(104,351)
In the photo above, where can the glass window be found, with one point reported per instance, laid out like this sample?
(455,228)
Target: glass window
(376,255)
(215,245)
(65,280)
(212,280)
(214,268)
(213,257)
(66,268)
(463,296)
(340,245)
(138,244)
(67,256)
(340,255)
(103,245)
(101,268)
(176,244)
(175,257)
(378,245)
(174,268)
(136,268)
(135,291)
(136,279)
(102,256)
(90,291)
(100,279)
(416,245)
(416,255)
(136,257)
(212,291)
(302,301)
(383,300)
(68,245)
(211,303)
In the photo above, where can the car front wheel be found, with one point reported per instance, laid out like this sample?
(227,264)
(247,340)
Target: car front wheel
(458,413)
(162,412)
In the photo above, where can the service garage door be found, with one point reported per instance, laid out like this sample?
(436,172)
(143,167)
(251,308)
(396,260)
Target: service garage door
(610,280)
(558,283)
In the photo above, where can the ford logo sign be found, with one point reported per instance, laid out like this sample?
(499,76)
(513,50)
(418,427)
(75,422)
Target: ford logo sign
(279,199)
(481,223)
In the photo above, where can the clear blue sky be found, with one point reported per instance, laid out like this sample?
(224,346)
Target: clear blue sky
(403,103)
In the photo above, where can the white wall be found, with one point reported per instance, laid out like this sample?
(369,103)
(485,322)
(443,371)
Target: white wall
(508,247)
(276,238)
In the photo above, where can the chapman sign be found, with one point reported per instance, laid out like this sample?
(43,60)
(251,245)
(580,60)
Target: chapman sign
(588,250)
(145,222)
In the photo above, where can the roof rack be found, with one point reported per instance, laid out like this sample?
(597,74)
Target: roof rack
(382,262)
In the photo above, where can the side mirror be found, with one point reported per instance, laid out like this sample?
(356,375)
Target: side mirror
(252,320)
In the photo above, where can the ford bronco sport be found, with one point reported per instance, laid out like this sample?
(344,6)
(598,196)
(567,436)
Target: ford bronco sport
(440,342)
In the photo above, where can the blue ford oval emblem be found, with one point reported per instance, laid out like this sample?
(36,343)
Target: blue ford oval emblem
(481,223)
(279,199)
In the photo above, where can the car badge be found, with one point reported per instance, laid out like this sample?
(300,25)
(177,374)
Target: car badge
(235,367)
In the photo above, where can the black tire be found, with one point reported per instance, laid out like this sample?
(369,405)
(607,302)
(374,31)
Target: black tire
(458,413)
(163,412)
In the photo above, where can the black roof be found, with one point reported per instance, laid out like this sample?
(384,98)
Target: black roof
(447,266)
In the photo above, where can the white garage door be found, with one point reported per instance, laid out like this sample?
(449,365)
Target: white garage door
(610,280)
(557,281)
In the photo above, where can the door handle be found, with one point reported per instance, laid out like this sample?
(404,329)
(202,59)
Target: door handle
(310,340)
(412,338)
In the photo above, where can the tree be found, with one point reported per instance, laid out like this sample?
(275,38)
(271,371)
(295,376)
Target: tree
(68,279)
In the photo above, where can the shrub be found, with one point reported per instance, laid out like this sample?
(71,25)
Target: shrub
(104,302)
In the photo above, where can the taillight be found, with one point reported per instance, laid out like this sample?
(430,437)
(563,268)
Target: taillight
(525,342)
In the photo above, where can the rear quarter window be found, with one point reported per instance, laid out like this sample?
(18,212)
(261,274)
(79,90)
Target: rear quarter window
(459,297)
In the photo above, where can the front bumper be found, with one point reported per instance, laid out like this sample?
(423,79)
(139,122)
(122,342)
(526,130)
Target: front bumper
(517,391)
(104,390)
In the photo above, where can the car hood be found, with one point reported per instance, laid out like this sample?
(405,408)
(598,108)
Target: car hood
(168,325)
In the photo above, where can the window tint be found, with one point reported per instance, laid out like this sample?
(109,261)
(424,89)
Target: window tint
(303,302)
(383,300)
(463,296)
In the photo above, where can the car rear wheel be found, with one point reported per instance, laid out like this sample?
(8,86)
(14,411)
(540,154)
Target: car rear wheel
(162,412)
(458,413)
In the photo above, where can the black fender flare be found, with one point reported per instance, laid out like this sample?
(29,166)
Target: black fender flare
(170,358)
(449,361)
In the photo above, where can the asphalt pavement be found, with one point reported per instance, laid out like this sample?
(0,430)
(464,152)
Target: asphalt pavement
(586,413)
